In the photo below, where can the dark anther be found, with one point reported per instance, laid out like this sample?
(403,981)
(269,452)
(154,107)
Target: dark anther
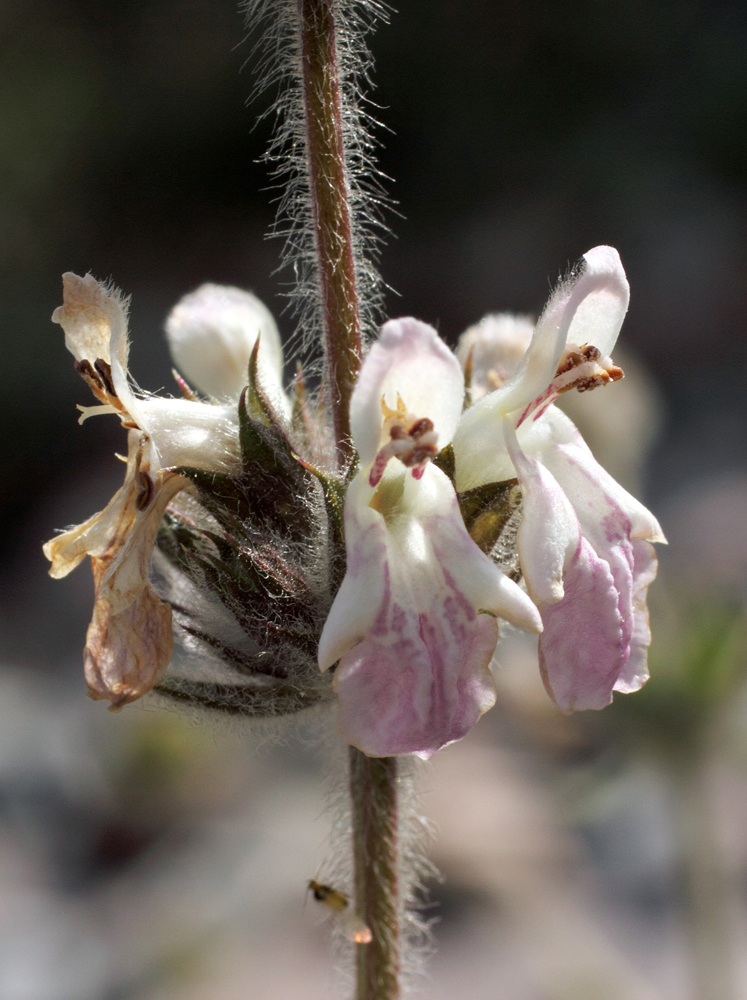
(146,491)
(590,352)
(420,427)
(397,432)
(85,368)
(591,382)
(104,370)
(422,453)
(571,360)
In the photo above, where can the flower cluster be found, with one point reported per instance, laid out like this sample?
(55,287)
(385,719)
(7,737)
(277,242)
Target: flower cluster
(392,577)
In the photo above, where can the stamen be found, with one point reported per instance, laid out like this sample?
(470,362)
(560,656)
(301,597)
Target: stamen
(98,377)
(580,368)
(146,492)
(413,442)
(104,370)
(186,390)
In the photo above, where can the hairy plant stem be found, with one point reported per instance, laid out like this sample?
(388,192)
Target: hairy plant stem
(373,792)
(373,780)
(328,184)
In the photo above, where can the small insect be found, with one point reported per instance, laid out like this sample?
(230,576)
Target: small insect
(338,904)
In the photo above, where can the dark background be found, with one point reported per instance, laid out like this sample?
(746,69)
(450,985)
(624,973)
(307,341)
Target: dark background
(521,135)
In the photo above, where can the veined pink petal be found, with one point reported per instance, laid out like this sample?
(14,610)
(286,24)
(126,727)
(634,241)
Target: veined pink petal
(616,527)
(420,679)
(411,597)
(604,524)
(587,308)
(409,361)
(582,649)
(635,672)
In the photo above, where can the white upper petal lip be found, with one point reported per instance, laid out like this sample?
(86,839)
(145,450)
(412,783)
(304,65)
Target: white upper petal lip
(586,308)
(409,362)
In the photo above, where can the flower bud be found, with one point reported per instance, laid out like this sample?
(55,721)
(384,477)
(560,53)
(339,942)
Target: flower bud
(494,347)
(211,333)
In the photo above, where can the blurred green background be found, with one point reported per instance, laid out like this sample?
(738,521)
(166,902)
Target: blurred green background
(518,136)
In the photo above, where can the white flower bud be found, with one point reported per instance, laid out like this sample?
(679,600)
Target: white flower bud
(495,346)
(211,333)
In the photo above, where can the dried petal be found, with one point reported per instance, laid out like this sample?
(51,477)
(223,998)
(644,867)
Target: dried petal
(106,531)
(127,653)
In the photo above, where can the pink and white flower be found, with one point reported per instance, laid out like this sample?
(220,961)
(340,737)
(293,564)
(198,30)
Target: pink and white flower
(584,542)
(414,623)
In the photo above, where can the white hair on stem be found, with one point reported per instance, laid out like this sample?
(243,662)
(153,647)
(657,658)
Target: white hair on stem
(276,61)
(414,869)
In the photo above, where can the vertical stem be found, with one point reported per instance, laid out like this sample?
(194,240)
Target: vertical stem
(373,780)
(373,792)
(331,211)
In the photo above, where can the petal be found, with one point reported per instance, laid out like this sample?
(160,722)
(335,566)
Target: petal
(414,585)
(597,301)
(549,532)
(558,445)
(419,681)
(84,316)
(610,520)
(433,504)
(94,318)
(605,524)
(409,361)
(68,549)
(126,575)
(582,649)
(356,605)
(126,654)
(635,672)
(587,308)
(106,531)
(211,333)
(494,347)
(188,432)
